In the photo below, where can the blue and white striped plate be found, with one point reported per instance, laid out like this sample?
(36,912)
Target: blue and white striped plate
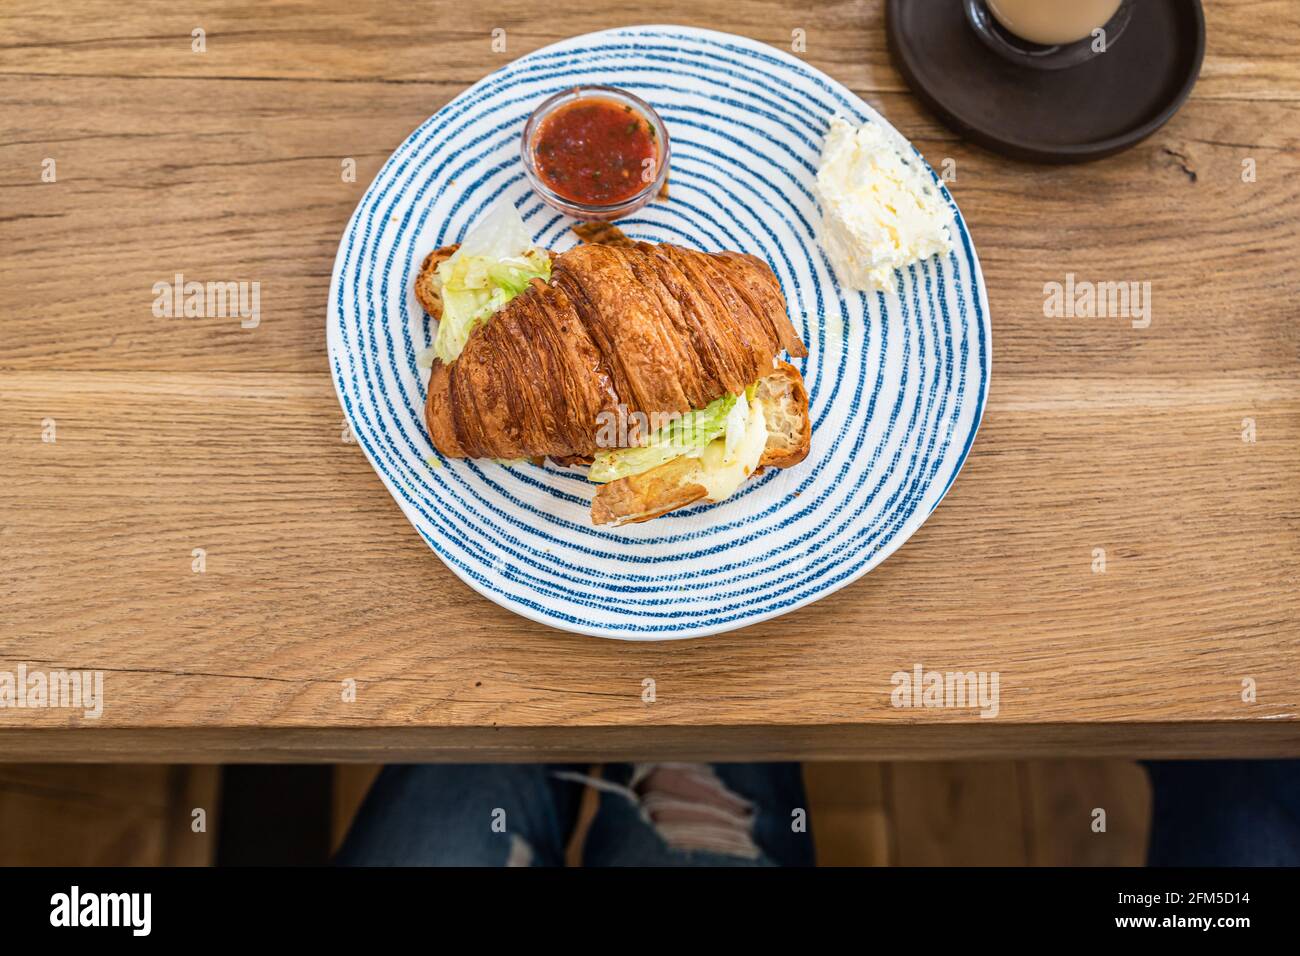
(897,382)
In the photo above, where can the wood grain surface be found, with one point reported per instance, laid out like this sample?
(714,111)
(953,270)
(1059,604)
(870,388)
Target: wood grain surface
(182,434)
(112,815)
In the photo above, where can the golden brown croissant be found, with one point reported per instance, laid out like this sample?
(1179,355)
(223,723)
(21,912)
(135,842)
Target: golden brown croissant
(653,328)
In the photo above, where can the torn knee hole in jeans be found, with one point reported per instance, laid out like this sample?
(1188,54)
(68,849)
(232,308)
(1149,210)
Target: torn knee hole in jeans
(687,805)
(692,809)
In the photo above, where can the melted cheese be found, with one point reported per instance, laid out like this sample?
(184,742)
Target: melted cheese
(721,474)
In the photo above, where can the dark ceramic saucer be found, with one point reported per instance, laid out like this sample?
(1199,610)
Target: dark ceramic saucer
(1095,109)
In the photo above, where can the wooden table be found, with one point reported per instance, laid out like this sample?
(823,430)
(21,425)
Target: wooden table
(179,434)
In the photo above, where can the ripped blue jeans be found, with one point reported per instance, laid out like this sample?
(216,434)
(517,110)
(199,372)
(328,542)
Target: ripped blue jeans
(525,815)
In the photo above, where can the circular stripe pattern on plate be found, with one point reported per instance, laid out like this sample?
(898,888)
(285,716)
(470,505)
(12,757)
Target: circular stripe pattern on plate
(896,382)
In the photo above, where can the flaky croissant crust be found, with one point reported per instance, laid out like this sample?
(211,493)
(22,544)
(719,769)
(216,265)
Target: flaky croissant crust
(654,328)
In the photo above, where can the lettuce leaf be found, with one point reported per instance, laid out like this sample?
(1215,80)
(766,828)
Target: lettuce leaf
(687,435)
(494,264)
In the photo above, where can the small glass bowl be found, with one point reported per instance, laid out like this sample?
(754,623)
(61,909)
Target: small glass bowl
(586,211)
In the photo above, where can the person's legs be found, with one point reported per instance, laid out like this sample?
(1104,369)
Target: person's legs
(701,815)
(1225,813)
(463,815)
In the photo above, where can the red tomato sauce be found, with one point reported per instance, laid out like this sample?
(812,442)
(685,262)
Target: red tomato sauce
(595,151)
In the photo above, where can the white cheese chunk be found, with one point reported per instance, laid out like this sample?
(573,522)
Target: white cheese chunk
(880,210)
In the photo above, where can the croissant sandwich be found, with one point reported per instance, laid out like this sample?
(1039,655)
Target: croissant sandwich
(658,366)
